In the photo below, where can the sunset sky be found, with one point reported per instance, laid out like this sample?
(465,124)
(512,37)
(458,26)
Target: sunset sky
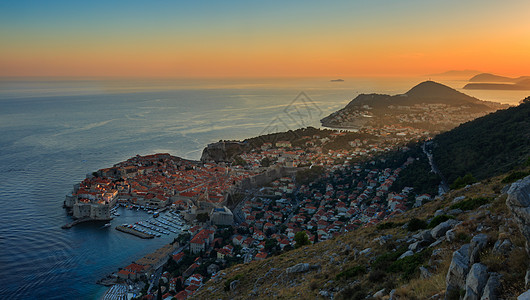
(265,38)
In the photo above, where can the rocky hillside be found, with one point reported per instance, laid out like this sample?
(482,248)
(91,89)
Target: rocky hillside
(467,244)
(222,151)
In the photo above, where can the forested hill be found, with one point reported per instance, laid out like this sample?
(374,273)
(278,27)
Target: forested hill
(487,146)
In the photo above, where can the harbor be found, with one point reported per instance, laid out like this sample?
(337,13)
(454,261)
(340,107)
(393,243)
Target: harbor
(169,223)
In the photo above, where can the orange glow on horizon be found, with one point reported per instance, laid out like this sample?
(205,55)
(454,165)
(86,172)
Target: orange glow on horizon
(386,45)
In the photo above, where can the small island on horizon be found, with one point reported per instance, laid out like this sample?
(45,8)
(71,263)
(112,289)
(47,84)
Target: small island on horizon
(487,81)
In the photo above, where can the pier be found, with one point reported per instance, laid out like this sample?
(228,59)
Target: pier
(134,232)
(81,220)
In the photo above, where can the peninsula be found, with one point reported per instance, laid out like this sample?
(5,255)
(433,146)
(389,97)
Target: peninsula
(428,107)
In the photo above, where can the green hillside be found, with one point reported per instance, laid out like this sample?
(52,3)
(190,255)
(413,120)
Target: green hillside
(485,147)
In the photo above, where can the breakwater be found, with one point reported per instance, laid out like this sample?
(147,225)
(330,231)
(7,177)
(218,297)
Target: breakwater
(134,232)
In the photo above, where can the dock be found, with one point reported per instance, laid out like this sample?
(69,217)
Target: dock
(82,220)
(134,232)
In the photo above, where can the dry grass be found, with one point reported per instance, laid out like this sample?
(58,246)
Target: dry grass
(419,288)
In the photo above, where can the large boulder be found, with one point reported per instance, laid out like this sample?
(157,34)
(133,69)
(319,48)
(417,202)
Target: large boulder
(518,201)
(503,247)
(442,228)
(478,242)
(425,273)
(450,235)
(524,296)
(491,289)
(233,285)
(456,275)
(406,254)
(301,267)
(476,281)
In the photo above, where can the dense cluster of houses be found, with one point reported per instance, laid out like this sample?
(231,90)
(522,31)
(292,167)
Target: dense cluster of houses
(153,181)
(351,198)
(349,195)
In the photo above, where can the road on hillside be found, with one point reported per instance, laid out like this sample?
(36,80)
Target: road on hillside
(444,187)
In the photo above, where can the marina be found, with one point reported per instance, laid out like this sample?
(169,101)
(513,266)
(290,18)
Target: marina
(166,224)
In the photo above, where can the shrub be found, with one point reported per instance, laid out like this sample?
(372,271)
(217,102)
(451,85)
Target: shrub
(229,281)
(351,272)
(408,265)
(313,285)
(353,292)
(515,176)
(439,219)
(301,239)
(455,294)
(462,237)
(416,224)
(376,276)
(461,182)
(386,225)
(470,204)
(384,260)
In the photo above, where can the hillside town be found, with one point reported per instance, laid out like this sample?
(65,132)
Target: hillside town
(419,118)
(313,194)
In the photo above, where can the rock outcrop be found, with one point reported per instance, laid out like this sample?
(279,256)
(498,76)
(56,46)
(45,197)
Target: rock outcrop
(491,289)
(442,228)
(301,267)
(476,281)
(478,243)
(222,151)
(518,201)
(457,273)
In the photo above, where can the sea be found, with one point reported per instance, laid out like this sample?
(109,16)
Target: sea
(54,131)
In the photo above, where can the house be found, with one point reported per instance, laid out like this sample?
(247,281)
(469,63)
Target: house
(284,243)
(195,279)
(238,240)
(173,283)
(197,245)
(212,269)
(132,271)
(178,257)
(258,235)
(247,243)
(260,256)
(222,253)
(201,240)
(182,295)
(190,270)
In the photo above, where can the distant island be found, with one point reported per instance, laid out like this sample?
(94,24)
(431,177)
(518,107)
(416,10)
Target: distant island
(429,106)
(337,80)
(456,73)
(487,81)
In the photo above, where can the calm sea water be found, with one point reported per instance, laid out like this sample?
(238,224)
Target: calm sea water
(53,132)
